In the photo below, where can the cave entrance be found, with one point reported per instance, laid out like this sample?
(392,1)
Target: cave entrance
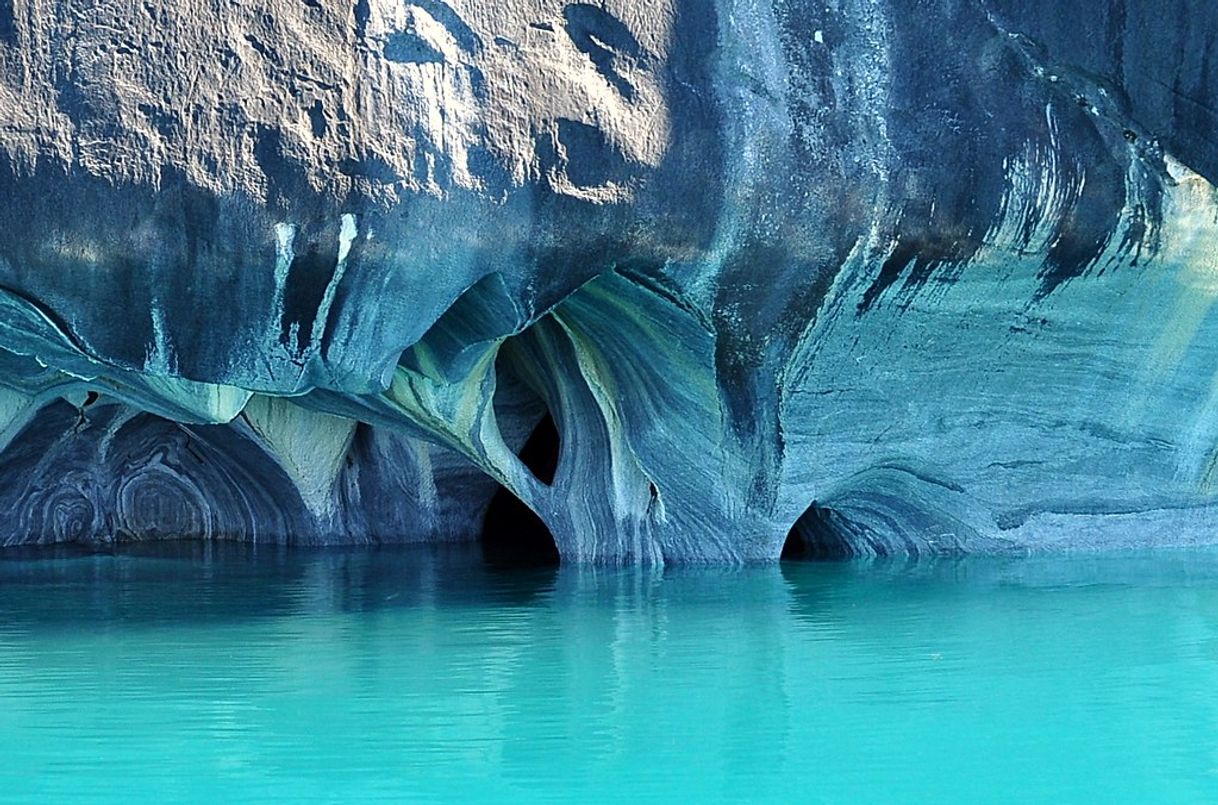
(512,534)
(819,534)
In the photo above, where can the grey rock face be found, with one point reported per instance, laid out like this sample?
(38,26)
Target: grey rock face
(890,276)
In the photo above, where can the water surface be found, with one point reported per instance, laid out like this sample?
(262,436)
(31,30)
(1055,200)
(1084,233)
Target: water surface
(202,673)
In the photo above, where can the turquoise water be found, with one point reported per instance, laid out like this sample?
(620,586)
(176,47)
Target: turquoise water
(209,674)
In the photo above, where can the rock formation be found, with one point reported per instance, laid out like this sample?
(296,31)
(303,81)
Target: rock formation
(882,276)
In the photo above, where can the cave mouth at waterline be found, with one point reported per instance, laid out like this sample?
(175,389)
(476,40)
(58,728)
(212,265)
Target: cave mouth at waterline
(820,534)
(512,533)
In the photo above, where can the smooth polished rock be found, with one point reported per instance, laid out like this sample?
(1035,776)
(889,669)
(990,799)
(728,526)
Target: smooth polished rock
(884,277)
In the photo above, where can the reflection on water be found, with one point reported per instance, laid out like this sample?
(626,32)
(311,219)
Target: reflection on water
(208,671)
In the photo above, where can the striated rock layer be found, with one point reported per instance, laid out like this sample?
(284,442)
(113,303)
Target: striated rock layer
(885,276)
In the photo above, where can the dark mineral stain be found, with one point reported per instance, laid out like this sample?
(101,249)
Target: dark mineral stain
(362,13)
(371,167)
(267,53)
(8,23)
(317,119)
(590,159)
(308,276)
(407,47)
(465,37)
(1086,230)
(605,40)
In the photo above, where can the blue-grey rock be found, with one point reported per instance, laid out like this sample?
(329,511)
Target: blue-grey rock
(885,276)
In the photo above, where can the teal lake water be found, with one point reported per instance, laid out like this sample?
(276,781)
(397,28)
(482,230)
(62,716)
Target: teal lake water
(221,674)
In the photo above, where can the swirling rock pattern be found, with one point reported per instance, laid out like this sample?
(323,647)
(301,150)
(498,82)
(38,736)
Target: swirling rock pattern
(889,277)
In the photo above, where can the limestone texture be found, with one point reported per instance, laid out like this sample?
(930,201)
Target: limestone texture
(881,276)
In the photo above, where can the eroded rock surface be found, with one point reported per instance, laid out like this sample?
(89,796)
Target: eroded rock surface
(894,277)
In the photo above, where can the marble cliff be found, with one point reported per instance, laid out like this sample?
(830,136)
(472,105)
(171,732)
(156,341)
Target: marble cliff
(898,276)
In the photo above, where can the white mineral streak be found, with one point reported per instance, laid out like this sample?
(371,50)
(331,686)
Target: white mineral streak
(346,237)
(285,238)
(160,356)
(1037,197)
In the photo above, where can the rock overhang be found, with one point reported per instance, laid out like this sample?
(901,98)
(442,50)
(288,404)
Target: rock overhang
(755,259)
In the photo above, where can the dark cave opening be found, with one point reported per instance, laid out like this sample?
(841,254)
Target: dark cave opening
(540,452)
(512,534)
(820,534)
(795,548)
